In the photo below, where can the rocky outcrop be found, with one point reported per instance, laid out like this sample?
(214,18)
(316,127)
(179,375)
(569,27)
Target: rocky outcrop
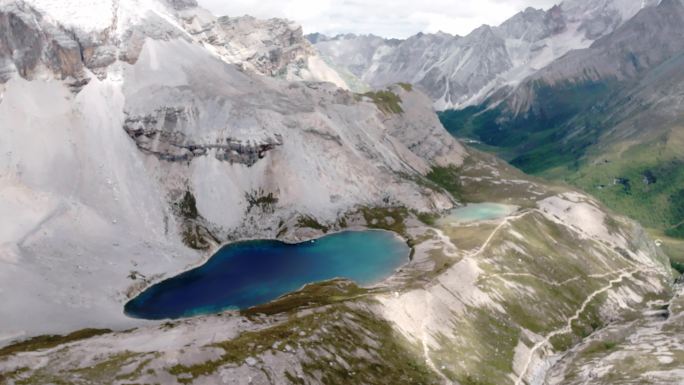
(533,25)
(273,47)
(161,134)
(281,44)
(31,44)
(28,43)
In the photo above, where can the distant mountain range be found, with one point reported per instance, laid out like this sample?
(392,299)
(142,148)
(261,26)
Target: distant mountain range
(457,71)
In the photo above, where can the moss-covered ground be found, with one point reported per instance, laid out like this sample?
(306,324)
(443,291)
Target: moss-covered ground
(386,100)
(340,344)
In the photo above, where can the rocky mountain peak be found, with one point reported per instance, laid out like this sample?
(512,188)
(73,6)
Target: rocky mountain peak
(555,21)
(482,32)
(85,37)
(530,25)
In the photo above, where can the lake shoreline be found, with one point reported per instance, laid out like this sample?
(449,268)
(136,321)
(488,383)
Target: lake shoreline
(361,267)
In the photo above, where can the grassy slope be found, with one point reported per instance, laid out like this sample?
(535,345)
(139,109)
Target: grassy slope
(657,205)
(534,142)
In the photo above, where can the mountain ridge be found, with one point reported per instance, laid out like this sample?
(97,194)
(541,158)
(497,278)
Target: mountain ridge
(460,71)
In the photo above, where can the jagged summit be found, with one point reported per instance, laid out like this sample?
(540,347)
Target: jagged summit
(105,33)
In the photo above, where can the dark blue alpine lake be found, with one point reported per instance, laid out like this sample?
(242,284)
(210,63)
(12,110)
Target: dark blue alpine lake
(245,274)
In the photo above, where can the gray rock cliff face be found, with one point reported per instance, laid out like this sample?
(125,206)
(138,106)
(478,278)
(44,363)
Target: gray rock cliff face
(162,134)
(273,47)
(30,43)
(27,42)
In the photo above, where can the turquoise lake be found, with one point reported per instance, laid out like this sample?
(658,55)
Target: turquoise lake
(479,212)
(245,274)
